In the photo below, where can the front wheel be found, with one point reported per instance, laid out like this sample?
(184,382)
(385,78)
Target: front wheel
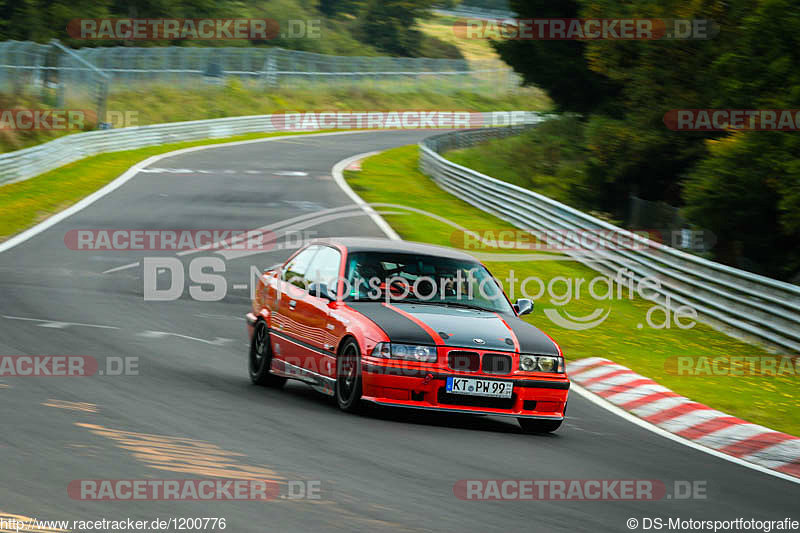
(533,425)
(348,377)
(260,359)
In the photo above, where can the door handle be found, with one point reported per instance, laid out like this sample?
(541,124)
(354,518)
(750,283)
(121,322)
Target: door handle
(292,304)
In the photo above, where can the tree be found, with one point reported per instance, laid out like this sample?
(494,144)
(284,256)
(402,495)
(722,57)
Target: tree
(332,8)
(745,188)
(748,188)
(42,20)
(558,67)
(389,25)
(747,192)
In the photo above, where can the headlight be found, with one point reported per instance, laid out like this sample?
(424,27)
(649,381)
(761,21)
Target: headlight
(527,363)
(408,352)
(541,363)
(548,364)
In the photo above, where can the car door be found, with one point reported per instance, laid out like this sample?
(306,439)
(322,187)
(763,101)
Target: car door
(291,290)
(312,324)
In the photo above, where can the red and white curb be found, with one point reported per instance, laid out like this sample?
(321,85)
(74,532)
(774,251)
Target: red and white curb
(694,421)
(355,165)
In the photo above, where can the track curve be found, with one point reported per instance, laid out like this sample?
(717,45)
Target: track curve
(386,470)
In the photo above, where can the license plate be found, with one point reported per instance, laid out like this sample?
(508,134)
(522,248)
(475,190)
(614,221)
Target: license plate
(480,387)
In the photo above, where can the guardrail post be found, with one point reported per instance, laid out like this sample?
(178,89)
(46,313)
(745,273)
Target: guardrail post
(99,84)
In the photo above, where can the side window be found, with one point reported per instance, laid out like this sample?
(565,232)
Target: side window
(295,271)
(325,267)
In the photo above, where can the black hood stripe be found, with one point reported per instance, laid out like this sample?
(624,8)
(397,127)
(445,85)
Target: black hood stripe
(513,336)
(530,338)
(396,326)
(437,339)
(463,328)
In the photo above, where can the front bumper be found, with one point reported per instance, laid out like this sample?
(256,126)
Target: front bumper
(251,320)
(422,389)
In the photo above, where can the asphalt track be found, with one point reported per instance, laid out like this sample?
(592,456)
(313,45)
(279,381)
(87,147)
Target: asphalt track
(386,470)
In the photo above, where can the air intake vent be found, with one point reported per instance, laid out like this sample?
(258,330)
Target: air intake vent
(462,361)
(496,363)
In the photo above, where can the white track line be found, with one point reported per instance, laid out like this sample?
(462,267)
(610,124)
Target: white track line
(600,402)
(338,177)
(130,173)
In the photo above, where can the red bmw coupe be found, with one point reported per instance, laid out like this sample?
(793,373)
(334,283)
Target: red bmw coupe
(406,325)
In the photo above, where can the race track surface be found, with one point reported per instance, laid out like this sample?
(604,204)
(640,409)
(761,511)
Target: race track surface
(386,470)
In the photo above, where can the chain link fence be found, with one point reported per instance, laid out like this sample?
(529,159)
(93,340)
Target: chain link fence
(270,68)
(60,77)
(22,67)
(52,74)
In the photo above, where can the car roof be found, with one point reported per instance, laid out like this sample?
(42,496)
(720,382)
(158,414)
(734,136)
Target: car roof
(367,244)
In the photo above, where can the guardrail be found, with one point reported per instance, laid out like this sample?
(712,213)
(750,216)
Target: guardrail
(29,162)
(760,307)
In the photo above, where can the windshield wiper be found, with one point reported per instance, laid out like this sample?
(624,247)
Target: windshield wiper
(448,304)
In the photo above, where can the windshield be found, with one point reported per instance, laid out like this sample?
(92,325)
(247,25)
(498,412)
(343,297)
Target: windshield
(401,277)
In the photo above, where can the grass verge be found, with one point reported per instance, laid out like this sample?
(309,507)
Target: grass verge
(158,104)
(441,27)
(771,401)
(549,159)
(25,203)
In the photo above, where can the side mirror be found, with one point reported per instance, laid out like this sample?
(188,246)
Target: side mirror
(320,290)
(523,306)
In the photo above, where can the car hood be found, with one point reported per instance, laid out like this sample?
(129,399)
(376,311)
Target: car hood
(458,327)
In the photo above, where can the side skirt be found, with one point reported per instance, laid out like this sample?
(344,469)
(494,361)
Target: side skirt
(318,382)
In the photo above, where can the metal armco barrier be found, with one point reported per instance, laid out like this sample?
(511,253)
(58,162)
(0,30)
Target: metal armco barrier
(757,306)
(30,162)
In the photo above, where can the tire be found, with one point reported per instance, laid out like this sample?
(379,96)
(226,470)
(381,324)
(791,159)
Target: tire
(348,377)
(260,358)
(536,426)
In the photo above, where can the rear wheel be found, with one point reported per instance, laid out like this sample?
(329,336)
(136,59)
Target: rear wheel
(260,358)
(348,377)
(533,425)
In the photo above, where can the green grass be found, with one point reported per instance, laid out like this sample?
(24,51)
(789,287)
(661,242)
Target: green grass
(393,176)
(441,28)
(551,159)
(157,104)
(25,203)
